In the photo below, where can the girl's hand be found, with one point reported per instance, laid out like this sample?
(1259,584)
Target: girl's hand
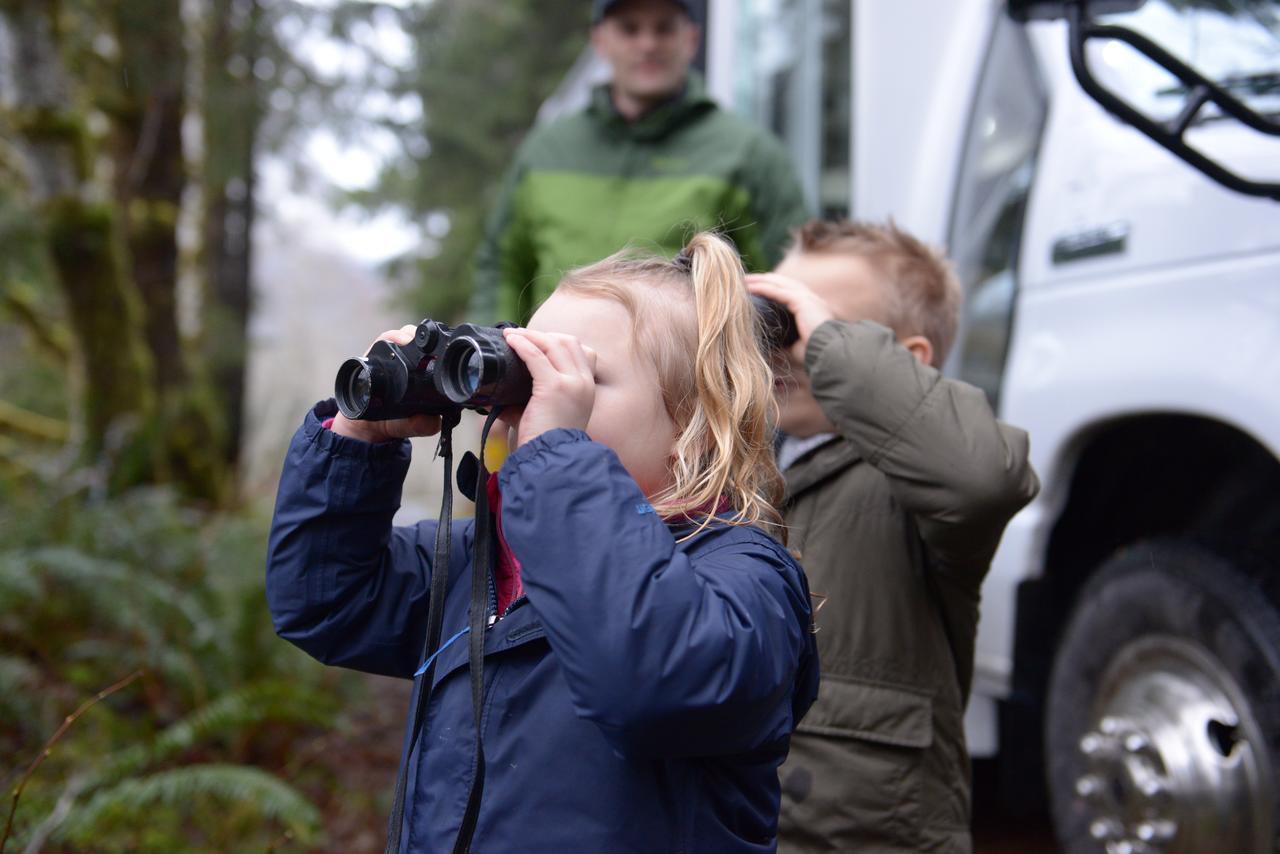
(564,384)
(398,428)
(809,309)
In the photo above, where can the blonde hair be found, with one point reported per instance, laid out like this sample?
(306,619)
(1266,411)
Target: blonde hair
(721,399)
(922,289)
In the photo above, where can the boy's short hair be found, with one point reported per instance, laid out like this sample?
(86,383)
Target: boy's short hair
(924,292)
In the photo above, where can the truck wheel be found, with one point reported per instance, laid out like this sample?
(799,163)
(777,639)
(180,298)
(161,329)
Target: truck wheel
(1163,712)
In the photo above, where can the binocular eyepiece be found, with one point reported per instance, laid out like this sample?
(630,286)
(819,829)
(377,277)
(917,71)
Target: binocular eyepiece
(777,324)
(447,369)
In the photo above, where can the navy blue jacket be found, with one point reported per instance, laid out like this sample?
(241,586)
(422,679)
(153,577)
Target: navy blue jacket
(639,697)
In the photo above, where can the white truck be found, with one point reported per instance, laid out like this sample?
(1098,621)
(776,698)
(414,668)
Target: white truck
(1123,306)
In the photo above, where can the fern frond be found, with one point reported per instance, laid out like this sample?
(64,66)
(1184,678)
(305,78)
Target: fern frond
(18,585)
(230,714)
(278,701)
(18,677)
(146,526)
(121,593)
(22,713)
(179,789)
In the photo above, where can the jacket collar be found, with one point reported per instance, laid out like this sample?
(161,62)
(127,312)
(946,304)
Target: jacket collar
(818,465)
(658,122)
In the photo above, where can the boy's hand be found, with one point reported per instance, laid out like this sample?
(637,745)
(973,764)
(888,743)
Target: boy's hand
(398,428)
(809,309)
(564,384)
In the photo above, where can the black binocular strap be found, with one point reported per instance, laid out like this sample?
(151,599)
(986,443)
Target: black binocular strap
(435,620)
(481,568)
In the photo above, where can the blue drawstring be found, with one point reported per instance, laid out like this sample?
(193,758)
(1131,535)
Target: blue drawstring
(443,647)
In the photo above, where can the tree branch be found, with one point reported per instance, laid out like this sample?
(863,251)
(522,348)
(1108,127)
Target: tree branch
(49,335)
(18,420)
(48,747)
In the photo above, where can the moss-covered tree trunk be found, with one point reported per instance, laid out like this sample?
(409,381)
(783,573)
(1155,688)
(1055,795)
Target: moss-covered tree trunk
(106,312)
(146,106)
(232,116)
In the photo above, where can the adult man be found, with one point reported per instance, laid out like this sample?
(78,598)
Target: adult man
(651,160)
(899,485)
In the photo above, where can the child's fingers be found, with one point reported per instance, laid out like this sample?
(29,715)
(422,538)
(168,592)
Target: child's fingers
(540,367)
(403,335)
(777,288)
(776,280)
(509,418)
(563,351)
(808,309)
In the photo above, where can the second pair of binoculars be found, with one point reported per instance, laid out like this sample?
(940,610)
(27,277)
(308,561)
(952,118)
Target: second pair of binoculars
(447,369)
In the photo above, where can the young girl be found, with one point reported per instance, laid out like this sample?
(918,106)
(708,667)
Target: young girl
(649,649)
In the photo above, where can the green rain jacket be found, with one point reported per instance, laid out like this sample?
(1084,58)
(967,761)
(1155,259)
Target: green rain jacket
(587,185)
(895,521)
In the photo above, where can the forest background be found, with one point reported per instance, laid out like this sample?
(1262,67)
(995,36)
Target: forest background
(159,163)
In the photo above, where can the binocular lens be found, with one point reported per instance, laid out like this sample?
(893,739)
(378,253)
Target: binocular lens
(472,370)
(463,369)
(353,387)
(360,387)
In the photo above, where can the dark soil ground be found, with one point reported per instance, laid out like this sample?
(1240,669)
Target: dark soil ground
(1002,828)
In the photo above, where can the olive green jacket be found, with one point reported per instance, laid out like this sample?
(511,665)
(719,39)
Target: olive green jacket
(589,184)
(895,522)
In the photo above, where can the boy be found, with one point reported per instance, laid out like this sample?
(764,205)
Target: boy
(899,485)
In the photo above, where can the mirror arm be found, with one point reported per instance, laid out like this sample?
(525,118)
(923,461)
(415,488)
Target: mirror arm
(1200,90)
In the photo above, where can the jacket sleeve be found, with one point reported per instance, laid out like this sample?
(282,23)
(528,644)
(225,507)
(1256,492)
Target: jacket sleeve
(669,654)
(505,260)
(960,472)
(342,583)
(777,204)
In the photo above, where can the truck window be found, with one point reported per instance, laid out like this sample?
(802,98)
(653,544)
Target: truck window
(793,76)
(990,203)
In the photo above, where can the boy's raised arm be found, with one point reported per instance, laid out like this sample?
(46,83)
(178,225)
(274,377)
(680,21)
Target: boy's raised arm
(949,461)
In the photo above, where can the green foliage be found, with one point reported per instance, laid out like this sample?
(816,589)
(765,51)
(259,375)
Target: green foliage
(128,808)
(18,680)
(196,755)
(32,346)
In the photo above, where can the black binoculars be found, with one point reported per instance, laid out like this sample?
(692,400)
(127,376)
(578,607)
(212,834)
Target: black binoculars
(447,369)
(442,371)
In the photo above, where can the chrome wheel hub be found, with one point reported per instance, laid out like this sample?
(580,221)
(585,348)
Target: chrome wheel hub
(1174,761)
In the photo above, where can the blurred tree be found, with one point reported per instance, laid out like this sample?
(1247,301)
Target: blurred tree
(128,61)
(81,230)
(144,100)
(115,252)
(482,69)
(234,32)
(143,97)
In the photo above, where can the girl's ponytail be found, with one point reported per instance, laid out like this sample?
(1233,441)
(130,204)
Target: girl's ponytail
(725,448)
(716,383)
